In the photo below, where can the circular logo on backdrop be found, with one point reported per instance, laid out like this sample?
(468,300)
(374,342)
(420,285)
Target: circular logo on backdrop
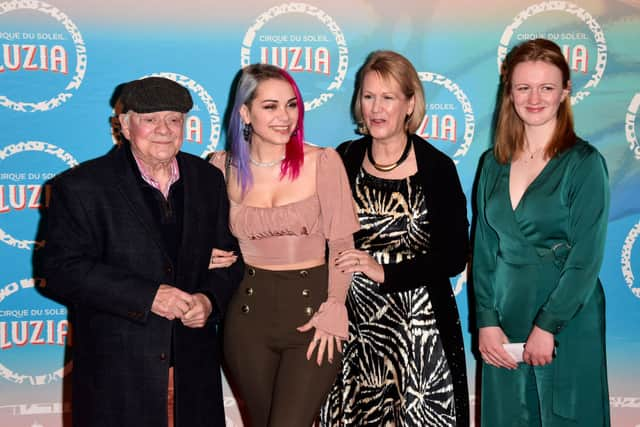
(28,319)
(448,108)
(306,42)
(43,61)
(630,125)
(26,166)
(203,124)
(627,270)
(576,32)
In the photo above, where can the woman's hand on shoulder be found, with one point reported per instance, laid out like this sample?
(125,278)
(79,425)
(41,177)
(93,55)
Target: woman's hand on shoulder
(357,261)
(490,340)
(221,259)
(218,158)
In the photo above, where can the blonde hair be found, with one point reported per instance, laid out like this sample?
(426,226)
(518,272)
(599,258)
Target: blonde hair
(391,65)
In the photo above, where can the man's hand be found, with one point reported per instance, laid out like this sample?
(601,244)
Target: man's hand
(200,311)
(171,302)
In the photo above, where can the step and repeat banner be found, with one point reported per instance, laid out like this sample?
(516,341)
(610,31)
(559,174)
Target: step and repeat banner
(61,60)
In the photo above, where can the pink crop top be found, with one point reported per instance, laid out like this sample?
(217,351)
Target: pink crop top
(300,231)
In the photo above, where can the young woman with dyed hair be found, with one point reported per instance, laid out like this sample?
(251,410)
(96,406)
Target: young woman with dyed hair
(289,202)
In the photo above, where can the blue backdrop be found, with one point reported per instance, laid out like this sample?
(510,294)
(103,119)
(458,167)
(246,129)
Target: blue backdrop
(61,61)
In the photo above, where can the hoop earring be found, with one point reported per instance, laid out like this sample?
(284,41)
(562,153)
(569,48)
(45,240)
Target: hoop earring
(362,129)
(247,129)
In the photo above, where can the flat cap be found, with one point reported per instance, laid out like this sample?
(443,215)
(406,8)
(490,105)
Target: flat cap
(152,94)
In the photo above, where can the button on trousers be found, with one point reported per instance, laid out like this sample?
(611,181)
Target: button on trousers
(265,354)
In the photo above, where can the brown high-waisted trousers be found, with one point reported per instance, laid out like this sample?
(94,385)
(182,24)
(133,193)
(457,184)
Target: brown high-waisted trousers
(265,354)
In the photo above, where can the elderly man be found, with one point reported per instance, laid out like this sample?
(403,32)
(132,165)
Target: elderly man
(129,239)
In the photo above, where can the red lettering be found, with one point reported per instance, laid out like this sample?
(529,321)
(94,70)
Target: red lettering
(297,58)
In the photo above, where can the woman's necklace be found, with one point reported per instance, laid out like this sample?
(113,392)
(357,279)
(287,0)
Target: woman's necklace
(529,155)
(266,164)
(391,166)
(534,153)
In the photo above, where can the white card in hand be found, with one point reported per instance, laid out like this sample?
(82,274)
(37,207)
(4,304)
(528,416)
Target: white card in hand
(515,349)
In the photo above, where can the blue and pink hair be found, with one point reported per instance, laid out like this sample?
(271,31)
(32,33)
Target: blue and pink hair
(251,77)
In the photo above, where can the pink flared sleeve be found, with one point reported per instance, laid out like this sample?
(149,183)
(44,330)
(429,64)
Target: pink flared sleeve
(339,222)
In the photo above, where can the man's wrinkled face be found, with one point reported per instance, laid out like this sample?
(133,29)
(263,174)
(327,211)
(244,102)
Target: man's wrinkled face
(155,137)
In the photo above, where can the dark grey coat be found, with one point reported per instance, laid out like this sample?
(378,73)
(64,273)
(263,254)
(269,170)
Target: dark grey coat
(105,257)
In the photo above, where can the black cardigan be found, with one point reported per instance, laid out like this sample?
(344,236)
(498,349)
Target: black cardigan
(448,255)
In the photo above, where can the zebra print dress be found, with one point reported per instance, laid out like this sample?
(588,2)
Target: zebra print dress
(394,372)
